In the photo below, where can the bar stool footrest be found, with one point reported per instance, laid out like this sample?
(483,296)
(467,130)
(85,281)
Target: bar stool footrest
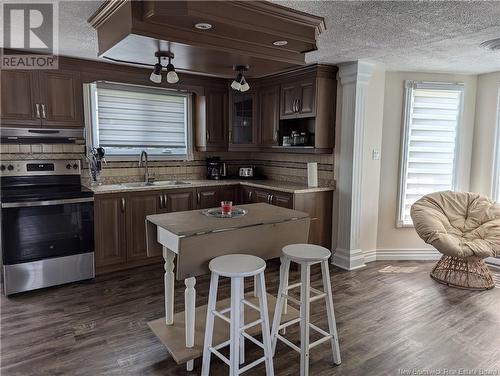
(251,365)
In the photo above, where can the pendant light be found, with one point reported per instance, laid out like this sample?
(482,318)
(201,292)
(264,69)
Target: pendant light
(239,83)
(172,77)
(156,74)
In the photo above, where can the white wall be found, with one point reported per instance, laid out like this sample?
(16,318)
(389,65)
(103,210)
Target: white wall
(388,236)
(484,133)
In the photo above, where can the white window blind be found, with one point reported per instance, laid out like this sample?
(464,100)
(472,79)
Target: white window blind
(496,164)
(430,138)
(128,119)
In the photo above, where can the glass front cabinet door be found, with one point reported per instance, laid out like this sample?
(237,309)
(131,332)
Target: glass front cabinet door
(243,120)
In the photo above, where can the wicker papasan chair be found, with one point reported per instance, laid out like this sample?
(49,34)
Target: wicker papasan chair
(465,228)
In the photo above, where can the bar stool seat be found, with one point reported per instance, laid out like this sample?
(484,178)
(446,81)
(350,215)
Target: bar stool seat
(306,252)
(237,267)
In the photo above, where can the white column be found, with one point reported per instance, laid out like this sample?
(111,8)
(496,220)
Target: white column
(168,281)
(354,79)
(189,314)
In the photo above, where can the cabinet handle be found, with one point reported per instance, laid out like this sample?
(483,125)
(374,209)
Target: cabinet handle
(271,199)
(295,105)
(299,105)
(230,136)
(162,205)
(208,136)
(44,115)
(122,204)
(249,195)
(275,136)
(165,197)
(37,110)
(198,198)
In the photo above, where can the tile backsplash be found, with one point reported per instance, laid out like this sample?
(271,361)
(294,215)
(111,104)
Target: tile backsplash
(275,166)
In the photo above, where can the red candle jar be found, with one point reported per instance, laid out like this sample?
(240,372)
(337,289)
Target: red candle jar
(226,207)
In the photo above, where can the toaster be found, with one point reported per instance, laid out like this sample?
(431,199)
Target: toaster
(246,172)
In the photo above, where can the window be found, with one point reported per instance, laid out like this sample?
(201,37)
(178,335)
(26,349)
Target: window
(429,146)
(496,164)
(127,119)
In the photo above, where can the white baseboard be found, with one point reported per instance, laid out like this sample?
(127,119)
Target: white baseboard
(348,259)
(401,254)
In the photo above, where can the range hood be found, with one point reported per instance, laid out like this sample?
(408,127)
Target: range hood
(40,135)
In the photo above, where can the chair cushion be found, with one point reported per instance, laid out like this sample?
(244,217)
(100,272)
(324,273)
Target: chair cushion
(460,224)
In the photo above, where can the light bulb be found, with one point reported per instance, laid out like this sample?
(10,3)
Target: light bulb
(244,85)
(172,77)
(156,74)
(236,85)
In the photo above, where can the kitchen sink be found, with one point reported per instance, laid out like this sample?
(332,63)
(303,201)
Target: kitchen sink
(155,183)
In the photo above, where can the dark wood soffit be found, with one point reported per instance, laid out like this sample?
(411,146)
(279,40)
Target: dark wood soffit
(153,19)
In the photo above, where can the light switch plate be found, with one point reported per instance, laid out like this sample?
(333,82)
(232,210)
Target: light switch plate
(376,155)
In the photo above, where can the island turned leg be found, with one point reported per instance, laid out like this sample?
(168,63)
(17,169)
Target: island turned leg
(190,305)
(169,256)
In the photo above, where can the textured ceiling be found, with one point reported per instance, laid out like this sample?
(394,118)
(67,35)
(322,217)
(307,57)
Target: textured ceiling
(404,35)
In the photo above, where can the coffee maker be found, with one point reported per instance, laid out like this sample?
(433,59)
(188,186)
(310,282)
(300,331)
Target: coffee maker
(216,169)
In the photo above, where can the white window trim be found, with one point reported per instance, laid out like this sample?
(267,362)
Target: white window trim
(403,158)
(89,100)
(495,189)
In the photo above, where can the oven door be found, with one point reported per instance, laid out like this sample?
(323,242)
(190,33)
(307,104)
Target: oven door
(45,229)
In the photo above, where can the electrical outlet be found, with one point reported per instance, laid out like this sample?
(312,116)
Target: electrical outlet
(376,155)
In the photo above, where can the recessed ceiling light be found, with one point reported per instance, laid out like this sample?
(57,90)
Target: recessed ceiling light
(492,45)
(203,26)
(280,43)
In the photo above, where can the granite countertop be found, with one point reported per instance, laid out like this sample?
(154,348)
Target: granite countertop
(266,184)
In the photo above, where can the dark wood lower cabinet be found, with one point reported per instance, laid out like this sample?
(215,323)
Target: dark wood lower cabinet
(180,200)
(110,230)
(119,218)
(317,204)
(207,197)
(138,206)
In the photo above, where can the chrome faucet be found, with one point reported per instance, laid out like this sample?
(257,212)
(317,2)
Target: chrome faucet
(144,158)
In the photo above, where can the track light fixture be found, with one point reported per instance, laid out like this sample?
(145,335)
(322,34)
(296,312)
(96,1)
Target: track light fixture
(239,83)
(172,76)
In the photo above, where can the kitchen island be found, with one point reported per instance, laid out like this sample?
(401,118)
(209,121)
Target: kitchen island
(189,240)
(120,211)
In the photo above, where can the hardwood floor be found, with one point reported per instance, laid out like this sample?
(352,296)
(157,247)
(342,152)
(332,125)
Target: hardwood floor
(390,316)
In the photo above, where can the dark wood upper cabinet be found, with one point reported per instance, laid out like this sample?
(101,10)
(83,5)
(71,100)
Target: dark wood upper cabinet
(216,118)
(180,200)
(243,117)
(298,99)
(110,230)
(306,105)
(19,104)
(288,101)
(42,99)
(138,206)
(269,114)
(61,99)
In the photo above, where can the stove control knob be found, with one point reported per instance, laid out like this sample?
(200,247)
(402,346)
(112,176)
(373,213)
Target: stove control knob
(68,166)
(10,167)
(2,167)
(75,166)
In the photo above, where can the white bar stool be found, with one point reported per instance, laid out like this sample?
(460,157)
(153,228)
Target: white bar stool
(237,267)
(305,255)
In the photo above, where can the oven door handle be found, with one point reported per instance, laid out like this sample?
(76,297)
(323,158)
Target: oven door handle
(46,203)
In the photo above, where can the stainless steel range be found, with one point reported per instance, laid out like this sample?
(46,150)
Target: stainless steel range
(47,223)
